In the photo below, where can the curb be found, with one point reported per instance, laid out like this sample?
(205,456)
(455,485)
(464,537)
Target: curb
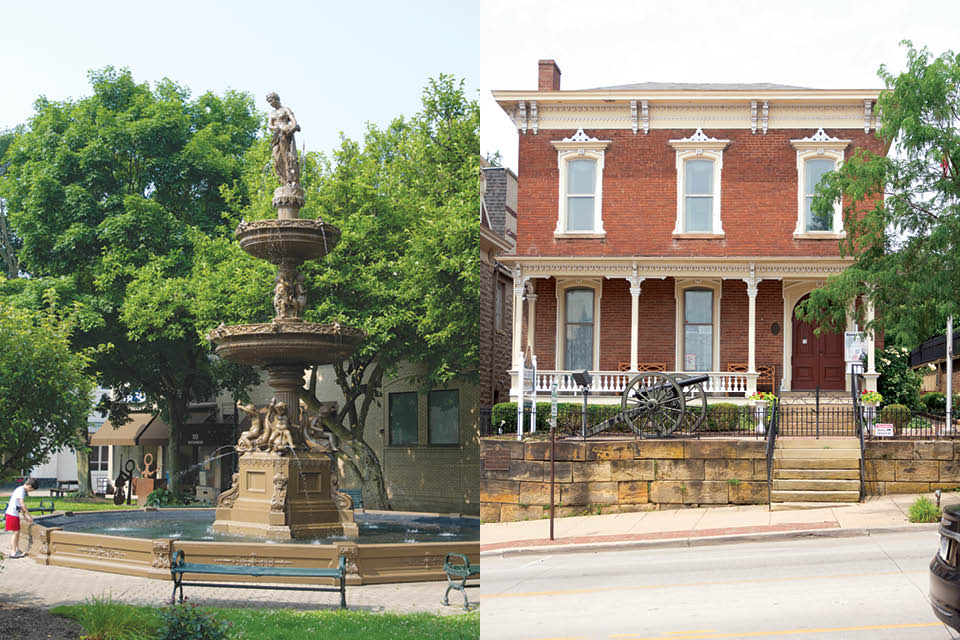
(694,541)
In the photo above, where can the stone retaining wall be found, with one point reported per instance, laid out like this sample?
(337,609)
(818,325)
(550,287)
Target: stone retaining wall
(910,467)
(627,475)
(619,476)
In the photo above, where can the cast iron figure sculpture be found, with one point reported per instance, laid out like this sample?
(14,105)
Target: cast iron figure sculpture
(283,125)
(124,478)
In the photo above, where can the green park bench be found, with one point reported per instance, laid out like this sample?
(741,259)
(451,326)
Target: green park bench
(178,567)
(457,575)
(44,507)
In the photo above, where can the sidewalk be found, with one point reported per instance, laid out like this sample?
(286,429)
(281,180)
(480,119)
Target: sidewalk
(709,525)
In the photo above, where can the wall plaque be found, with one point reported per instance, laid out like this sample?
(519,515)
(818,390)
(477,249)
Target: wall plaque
(497,459)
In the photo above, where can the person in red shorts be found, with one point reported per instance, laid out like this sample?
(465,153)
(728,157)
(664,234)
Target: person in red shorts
(17,509)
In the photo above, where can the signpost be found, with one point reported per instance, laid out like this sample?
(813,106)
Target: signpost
(528,385)
(553,443)
(854,348)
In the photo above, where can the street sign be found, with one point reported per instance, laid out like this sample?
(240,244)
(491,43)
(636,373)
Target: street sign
(883,430)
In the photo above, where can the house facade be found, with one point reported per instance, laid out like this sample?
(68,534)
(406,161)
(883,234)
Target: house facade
(498,237)
(668,227)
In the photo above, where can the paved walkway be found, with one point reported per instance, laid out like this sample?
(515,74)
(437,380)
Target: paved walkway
(25,582)
(710,525)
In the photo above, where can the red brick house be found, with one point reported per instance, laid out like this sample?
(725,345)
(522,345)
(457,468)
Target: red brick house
(667,226)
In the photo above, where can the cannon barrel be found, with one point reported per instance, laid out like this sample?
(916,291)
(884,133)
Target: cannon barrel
(692,380)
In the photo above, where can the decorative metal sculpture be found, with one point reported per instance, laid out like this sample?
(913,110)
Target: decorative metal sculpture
(124,478)
(147,467)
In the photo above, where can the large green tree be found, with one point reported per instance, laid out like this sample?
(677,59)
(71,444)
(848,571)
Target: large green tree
(406,200)
(117,201)
(901,210)
(45,387)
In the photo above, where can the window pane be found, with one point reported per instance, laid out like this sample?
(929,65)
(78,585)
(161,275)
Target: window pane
(579,348)
(581,176)
(698,306)
(815,169)
(698,347)
(699,177)
(444,417)
(580,213)
(580,305)
(699,214)
(816,221)
(403,418)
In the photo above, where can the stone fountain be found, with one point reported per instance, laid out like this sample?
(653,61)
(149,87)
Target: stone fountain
(286,484)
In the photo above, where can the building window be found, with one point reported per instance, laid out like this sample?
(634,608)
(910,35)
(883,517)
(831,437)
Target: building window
(698,200)
(813,171)
(697,330)
(578,329)
(699,166)
(816,156)
(499,305)
(403,418)
(580,166)
(444,417)
(98,458)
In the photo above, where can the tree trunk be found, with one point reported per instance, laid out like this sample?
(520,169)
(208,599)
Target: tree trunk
(84,488)
(365,460)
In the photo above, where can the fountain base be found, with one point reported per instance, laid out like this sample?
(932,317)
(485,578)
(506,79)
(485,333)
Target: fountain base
(281,497)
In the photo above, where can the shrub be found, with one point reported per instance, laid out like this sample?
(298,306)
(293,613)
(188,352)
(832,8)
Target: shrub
(896,414)
(934,402)
(187,622)
(723,416)
(104,619)
(923,511)
(898,383)
(569,416)
(160,497)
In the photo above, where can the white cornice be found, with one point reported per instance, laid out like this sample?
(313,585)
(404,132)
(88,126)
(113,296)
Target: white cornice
(851,96)
(761,268)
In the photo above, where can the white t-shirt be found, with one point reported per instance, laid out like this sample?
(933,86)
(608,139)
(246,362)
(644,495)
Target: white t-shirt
(13,509)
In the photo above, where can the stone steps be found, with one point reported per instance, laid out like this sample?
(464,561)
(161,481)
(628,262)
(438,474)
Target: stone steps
(814,472)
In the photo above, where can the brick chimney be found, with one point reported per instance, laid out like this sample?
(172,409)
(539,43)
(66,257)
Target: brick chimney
(549,76)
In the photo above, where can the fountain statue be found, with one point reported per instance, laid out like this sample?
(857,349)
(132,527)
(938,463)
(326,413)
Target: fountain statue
(286,484)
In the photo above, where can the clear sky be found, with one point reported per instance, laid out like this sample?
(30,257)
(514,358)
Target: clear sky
(823,44)
(336,64)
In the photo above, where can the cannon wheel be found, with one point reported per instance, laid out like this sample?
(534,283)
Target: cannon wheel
(695,399)
(653,404)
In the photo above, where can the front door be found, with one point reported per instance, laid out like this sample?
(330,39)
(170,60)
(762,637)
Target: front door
(817,359)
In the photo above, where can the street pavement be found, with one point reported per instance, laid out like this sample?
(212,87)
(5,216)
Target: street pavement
(860,588)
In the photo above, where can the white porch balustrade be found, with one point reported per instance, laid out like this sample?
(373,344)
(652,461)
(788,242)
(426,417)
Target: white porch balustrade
(616,381)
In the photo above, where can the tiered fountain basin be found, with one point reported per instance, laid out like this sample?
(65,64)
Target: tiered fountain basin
(285,342)
(392,546)
(287,241)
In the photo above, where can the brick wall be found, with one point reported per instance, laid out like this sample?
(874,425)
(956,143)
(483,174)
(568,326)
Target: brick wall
(494,344)
(758,188)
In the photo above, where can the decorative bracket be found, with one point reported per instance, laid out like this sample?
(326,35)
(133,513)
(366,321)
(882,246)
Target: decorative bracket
(645,116)
(753,116)
(867,114)
(633,116)
(766,113)
(522,116)
(534,122)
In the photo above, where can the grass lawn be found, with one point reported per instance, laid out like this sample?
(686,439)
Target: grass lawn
(70,504)
(277,624)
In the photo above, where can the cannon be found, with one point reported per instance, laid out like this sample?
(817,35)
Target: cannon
(656,404)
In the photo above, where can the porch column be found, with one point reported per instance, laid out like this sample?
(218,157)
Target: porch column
(871,375)
(752,283)
(518,282)
(531,320)
(635,281)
